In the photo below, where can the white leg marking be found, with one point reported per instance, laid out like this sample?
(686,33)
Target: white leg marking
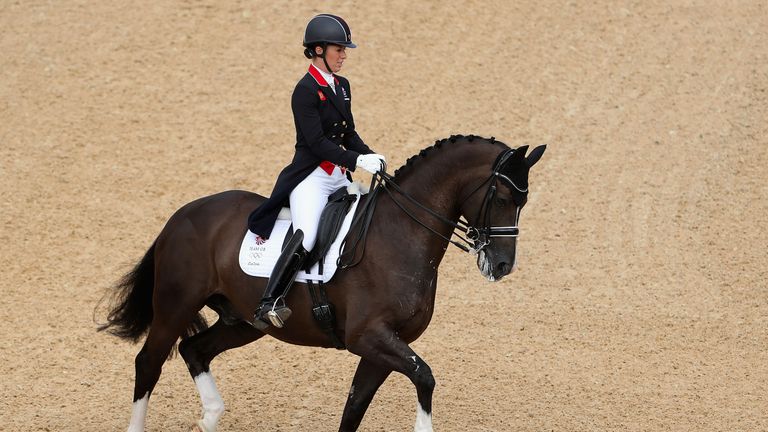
(423,420)
(213,404)
(139,414)
(413,359)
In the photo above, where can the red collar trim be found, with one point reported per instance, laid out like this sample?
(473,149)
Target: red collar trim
(319,77)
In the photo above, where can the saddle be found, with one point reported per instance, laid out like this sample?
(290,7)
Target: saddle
(331,220)
(257,259)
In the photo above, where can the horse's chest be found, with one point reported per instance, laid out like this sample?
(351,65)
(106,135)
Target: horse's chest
(414,310)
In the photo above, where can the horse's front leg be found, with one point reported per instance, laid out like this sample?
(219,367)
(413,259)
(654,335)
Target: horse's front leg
(382,352)
(368,378)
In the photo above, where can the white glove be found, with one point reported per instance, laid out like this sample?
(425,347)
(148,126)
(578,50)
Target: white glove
(372,163)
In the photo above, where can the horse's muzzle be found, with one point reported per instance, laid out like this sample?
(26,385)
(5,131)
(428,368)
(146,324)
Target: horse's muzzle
(493,271)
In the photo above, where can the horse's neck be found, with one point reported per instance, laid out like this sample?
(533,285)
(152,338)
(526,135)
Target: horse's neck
(435,183)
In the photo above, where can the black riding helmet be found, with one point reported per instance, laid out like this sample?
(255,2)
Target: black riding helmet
(324,30)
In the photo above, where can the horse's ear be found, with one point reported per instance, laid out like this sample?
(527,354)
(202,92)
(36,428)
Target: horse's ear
(520,152)
(535,155)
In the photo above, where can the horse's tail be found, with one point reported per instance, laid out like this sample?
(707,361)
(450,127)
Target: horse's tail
(131,301)
(130,311)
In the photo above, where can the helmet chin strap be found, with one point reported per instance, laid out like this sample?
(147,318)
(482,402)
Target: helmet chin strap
(322,56)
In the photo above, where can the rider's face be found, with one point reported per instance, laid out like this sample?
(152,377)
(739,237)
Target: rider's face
(334,55)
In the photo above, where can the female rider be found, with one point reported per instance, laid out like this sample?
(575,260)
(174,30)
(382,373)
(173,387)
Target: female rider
(327,148)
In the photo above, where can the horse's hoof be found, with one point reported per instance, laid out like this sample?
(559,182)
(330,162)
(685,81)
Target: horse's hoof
(200,427)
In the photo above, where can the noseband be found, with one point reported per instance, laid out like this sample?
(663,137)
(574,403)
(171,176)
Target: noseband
(477,238)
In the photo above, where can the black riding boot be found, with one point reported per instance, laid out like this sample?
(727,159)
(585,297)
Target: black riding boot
(272,307)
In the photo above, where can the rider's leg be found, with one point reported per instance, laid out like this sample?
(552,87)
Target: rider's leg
(288,264)
(309,198)
(307,201)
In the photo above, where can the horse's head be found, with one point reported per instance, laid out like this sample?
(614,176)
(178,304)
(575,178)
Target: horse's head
(493,210)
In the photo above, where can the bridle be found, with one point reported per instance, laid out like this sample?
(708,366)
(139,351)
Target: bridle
(472,239)
(482,236)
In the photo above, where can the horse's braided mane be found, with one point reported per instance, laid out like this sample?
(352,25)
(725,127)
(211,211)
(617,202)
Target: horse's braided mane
(439,143)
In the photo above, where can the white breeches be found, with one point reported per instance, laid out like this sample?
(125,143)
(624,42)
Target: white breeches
(310,197)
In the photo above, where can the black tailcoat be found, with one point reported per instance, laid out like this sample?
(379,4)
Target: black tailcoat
(325,131)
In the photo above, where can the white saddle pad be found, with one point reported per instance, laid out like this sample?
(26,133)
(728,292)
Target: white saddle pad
(258,260)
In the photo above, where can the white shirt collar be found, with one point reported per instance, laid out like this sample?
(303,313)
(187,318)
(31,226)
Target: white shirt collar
(328,78)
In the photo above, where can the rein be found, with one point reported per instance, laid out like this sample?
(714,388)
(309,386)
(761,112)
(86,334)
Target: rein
(476,238)
(461,225)
(363,220)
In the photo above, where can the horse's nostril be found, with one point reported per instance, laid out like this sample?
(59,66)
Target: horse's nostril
(504,268)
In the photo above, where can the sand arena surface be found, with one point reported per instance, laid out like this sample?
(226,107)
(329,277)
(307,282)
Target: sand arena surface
(641,300)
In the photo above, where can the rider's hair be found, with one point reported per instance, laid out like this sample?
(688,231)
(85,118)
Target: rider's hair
(309,52)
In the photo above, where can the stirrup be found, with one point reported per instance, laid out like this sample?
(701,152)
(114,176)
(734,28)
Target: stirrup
(278,315)
(283,274)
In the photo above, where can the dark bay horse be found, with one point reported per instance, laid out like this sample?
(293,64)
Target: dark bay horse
(382,304)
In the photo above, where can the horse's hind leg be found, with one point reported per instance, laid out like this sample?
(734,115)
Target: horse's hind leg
(163,333)
(386,352)
(199,350)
